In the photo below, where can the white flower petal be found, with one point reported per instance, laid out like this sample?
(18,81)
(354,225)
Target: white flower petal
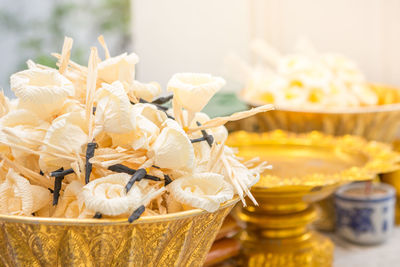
(202,190)
(114,110)
(107,195)
(67,132)
(69,205)
(173,149)
(151,113)
(119,68)
(193,91)
(4,104)
(16,195)
(42,91)
(146,91)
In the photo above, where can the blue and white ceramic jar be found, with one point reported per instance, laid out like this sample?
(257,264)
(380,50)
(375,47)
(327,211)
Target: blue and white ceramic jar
(365,218)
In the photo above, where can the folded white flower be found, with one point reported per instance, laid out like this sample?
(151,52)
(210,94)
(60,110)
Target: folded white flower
(113,111)
(71,204)
(172,148)
(201,190)
(108,196)
(19,197)
(4,104)
(21,117)
(147,133)
(68,132)
(119,68)
(42,91)
(23,127)
(194,90)
(146,91)
(150,112)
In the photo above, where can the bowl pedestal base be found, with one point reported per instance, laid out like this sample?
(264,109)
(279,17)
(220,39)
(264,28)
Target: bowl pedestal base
(279,235)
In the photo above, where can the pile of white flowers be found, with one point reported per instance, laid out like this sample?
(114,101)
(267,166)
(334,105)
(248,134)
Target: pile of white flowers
(306,79)
(83,142)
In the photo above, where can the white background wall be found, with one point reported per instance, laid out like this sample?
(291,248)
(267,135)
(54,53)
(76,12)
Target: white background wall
(191,35)
(187,36)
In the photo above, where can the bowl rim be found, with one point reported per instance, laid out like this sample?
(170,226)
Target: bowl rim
(328,110)
(110,221)
(390,193)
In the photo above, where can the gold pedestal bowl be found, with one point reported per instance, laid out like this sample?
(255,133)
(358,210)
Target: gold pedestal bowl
(177,239)
(380,122)
(306,169)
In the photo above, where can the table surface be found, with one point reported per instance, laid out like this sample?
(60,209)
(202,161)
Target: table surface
(384,255)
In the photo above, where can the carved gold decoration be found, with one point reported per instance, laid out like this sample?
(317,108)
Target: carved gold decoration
(378,123)
(306,168)
(177,239)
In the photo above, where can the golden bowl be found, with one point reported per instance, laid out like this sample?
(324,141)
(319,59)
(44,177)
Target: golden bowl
(380,122)
(306,168)
(177,239)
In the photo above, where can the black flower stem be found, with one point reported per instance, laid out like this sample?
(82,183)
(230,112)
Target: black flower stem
(167,179)
(97,215)
(124,169)
(162,99)
(57,186)
(137,176)
(208,138)
(89,154)
(62,173)
(136,214)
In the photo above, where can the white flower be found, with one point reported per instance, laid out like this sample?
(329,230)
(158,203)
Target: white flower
(114,110)
(108,196)
(151,113)
(71,204)
(173,149)
(41,91)
(19,197)
(146,91)
(120,68)
(193,91)
(68,132)
(23,127)
(148,121)
(4,104)
(201,190)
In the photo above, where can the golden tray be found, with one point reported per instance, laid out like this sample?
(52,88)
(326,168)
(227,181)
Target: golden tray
(306,168)
(177,239)
(380,123)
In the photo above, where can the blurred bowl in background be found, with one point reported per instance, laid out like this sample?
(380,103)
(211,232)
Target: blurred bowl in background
(380,122)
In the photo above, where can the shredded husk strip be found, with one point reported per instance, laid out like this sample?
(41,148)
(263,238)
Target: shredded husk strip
(90,90)
(29,174)
(37,152)
(176,107)
(65,54)
(72,64)
(234,117)
(104,45)
(36,141)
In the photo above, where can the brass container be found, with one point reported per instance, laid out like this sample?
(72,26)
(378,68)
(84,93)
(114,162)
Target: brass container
(177,239)
(306,168)
(380,123)
(393,178)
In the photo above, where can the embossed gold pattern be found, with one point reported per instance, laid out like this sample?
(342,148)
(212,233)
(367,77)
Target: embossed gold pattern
(307,168)
(180,239)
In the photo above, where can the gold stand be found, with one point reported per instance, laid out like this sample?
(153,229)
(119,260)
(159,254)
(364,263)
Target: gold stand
(306,168)
(277,232)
